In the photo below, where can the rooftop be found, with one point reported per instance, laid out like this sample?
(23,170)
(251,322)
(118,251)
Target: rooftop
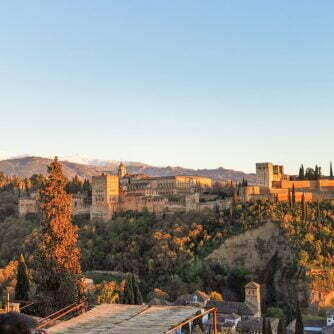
(226,307)
(130,319)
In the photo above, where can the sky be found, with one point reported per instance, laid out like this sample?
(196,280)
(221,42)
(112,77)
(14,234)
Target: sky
(189,83)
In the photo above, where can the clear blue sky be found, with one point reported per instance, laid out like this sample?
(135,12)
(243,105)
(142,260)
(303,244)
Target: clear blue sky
(191,83)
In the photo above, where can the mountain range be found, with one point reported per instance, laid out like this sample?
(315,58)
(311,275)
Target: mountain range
(27,166)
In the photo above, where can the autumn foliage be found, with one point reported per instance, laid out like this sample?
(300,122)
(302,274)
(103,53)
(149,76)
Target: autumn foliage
(56,260)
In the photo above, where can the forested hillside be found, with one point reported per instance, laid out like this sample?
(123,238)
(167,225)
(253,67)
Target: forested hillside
(169,252)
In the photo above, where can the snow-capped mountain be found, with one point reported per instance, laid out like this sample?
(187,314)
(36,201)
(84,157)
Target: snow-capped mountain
(5,155)
(76,158)
(84,160)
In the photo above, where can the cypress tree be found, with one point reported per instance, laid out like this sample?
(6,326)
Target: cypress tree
(132,294)
(303,206)
(128,294)
(293,195)
(137,294)
(281,328)
(269,329)
(57,272)
(331,171)
(289,198)
(301,173)
(264,326)
(299,321)
(22,288)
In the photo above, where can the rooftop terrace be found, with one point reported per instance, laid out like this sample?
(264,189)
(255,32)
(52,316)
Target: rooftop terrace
(130,319)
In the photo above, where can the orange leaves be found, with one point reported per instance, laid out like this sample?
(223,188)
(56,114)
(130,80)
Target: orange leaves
(57,255)
(161,236)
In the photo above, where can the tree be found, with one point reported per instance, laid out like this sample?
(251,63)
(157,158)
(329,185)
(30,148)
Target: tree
(310,174)
(269,329)
(108,293)
(132,294)
(281,328)
(57,269)
(214,295)
(301,173)
(299,329)
(331,171)
(275,312)
(293,195)
(264,326)
(22,288)
(317,172)
(303,207)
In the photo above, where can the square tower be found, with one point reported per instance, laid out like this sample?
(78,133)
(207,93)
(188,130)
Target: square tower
(253,296)
(105,196)
(265,174)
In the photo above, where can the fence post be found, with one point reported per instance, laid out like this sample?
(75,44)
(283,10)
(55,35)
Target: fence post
(214,320)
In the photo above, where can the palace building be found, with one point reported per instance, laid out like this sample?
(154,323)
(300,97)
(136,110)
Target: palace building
(121,192)
(272,183)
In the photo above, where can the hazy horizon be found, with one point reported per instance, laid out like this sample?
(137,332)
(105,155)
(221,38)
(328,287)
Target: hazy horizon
(84,159)
(191,84)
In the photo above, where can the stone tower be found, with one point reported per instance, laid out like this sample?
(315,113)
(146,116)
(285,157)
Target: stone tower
(253,296)
(121,170)
(105,196)
(264,174)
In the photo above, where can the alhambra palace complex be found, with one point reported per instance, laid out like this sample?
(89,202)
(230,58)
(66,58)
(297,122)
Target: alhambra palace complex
(112,193)
(271,182)
(123,191)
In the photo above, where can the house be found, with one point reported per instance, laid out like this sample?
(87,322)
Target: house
(330,317)
(198,298)
(255,325)
(242,317)
(329,328)
(310,326)
(229,322)
(250,308)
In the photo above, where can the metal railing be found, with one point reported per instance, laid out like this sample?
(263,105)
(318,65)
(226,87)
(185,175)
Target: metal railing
(47,321)
(212,311)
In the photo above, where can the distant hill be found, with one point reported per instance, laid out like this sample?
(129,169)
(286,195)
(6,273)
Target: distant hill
(27,166)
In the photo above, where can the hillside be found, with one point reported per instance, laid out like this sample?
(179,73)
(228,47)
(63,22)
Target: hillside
(27,166)
(267,255)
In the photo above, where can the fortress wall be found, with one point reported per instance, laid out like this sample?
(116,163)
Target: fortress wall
(306,184)
(326,184)
(284,197)
(138,204)
(279,191)
(252,190)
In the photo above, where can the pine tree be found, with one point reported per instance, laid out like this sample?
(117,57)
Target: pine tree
(299,321)
(331,171)
(22,289)
(57,269)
